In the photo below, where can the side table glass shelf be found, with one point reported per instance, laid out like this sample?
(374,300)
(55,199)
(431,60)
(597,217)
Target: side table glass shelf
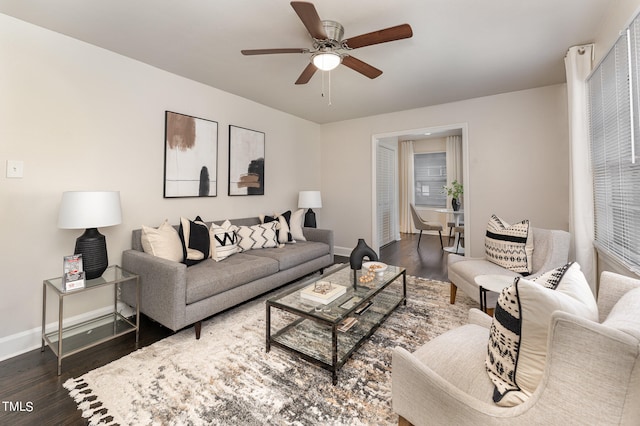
(69,340)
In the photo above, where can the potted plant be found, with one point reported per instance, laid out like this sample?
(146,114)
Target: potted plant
(454,191)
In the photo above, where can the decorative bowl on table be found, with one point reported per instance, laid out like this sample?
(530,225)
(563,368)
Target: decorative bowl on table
(376,267)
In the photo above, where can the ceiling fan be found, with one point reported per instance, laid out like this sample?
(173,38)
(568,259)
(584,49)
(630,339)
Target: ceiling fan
(329,50)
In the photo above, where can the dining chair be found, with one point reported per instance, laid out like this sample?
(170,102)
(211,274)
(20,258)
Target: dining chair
(424,225)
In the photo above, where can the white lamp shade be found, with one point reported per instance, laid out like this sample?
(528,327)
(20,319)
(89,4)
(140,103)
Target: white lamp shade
(309,200)
(326,61)
(89,209)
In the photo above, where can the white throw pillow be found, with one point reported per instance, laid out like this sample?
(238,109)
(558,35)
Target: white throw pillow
(517,349)
(163,242)
(224,240)
(257,236)
(295,225)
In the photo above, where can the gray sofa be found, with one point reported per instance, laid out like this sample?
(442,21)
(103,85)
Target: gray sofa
(177,296)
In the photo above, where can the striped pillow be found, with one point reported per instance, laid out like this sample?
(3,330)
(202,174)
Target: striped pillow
(509,246)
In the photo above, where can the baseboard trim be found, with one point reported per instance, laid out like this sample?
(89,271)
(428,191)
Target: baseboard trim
(28,340)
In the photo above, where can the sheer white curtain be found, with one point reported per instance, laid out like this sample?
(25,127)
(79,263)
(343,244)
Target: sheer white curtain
(406,185)
(578,64)
(454,161)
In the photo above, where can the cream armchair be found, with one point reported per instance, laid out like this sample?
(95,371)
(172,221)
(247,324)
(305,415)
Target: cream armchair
(551,250)
(592,372)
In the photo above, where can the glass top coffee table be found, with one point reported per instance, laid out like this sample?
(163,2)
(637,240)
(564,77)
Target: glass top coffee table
(312,329)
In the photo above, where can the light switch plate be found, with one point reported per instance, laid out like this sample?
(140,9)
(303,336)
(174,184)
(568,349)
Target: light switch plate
(15,168)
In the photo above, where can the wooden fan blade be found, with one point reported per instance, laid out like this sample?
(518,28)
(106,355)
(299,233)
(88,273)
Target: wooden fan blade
(306,74)
(271,51)
(382,36)
(309,17)
(361,67)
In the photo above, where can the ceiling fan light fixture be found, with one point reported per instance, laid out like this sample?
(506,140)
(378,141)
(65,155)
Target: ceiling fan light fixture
(326,61)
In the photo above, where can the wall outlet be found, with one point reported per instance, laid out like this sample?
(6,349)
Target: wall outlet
(15,168)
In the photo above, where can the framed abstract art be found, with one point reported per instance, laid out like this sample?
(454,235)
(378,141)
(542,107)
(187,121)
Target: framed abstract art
(246,161)
(190,156)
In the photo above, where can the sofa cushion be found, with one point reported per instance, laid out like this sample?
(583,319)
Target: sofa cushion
(224,240)
(625,314)
(294,254)
(518,336)
(257,236)
(195,240)
(510,246)
(163,242)
(209,277)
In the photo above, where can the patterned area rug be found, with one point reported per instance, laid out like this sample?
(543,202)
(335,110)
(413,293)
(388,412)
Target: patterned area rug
(227,378)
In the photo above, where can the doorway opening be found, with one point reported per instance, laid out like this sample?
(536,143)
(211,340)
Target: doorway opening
(386,177)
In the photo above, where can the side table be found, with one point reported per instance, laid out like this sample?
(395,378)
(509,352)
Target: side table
(494,283)
(69,340)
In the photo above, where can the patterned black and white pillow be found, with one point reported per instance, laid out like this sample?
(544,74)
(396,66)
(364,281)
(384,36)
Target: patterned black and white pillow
(517,348)
(194,235)
(283,229)
(224,240)
(510,246)
(257,236)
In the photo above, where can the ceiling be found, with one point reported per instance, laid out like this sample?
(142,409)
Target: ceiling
(460,49)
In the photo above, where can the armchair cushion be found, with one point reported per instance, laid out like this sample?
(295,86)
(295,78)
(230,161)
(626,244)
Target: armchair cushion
(510,246)
(518,336)
(622,315)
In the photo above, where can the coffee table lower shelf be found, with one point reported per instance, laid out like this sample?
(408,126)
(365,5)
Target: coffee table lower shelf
(309,336)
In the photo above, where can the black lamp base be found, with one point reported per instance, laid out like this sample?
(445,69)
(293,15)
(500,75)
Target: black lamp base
(93,247)
(310,219)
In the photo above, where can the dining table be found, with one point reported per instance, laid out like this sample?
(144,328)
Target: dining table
(458,216)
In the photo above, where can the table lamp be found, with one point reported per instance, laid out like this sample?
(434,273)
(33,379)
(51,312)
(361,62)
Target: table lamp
(90,210)
(309,200)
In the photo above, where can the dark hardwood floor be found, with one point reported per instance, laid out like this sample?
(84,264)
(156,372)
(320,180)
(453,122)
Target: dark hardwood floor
(31,393)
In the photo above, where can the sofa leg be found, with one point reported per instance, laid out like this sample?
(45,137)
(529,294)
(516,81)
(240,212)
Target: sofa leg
(453,290)
(198,328)
(403,422)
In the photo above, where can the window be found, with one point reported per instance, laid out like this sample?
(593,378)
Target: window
(429,176)
(615,129)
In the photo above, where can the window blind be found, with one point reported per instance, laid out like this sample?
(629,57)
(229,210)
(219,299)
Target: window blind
(429,176)
(614,131)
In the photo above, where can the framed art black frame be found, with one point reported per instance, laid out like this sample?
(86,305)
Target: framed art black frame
(190,156)
(246,161)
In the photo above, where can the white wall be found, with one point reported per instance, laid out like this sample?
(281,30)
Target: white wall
(518,154)
(84,118)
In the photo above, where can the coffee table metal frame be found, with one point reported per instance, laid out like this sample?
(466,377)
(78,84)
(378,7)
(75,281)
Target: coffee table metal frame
(343,344)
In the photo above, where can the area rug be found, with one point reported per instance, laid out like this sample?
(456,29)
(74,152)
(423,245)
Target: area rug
(227,378)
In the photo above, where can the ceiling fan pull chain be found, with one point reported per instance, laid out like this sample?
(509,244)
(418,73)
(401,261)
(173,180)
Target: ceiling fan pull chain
(329,72)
